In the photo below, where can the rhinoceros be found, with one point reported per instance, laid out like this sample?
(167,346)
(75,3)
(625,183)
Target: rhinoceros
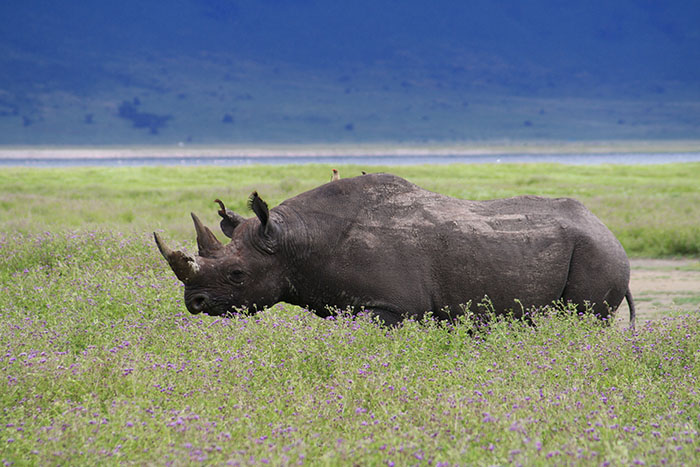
(380,244)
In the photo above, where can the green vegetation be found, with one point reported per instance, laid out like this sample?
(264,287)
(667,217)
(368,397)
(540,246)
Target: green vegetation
(654,210)
(100,363)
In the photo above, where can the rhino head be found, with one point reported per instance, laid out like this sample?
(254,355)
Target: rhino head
(244,274)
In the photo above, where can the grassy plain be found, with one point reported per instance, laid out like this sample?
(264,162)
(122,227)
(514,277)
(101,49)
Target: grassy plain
(654,210)
(100,362)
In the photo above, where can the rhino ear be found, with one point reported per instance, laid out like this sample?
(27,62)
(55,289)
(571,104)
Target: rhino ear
(229,219)
(267,240)
(259,207)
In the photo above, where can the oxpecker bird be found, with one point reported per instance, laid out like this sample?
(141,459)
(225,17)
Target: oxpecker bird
(335,175)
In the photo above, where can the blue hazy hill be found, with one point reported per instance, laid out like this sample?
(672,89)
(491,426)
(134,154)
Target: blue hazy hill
(245,70)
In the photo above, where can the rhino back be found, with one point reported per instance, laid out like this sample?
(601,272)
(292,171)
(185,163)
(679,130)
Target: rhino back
(378,239)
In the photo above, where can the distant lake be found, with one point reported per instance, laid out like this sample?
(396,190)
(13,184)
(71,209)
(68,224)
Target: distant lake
(394,159)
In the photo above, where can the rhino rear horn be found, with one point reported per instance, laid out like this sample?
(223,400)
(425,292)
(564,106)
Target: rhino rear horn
(184,266)
(207,243)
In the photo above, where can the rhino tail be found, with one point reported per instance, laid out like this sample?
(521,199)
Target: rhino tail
(630,305)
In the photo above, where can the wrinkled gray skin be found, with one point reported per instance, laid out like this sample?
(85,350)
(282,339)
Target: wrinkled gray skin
(379,243)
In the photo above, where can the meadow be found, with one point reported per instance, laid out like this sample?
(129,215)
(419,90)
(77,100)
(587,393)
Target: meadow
(101,363)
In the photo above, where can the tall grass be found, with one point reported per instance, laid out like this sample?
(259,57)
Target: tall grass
(654,210)
(100,363)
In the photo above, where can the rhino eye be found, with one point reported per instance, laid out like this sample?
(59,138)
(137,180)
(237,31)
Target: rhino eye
(236,276)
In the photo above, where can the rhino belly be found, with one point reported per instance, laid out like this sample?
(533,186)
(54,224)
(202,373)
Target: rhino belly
(510,270)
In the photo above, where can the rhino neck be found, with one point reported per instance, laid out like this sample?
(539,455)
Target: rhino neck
(293,252)
(294,242)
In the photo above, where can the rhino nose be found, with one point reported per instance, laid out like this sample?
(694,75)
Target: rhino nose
(198,303)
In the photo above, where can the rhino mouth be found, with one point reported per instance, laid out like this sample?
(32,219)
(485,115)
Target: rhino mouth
(199,303)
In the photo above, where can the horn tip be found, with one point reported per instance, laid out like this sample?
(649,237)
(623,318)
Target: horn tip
(159,242)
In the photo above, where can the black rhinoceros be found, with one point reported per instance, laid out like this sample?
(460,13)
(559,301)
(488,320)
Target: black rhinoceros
(380,243)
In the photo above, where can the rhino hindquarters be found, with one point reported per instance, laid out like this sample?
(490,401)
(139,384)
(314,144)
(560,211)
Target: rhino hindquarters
(599,277)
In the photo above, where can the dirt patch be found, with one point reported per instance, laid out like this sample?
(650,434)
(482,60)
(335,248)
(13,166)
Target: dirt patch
(663,287)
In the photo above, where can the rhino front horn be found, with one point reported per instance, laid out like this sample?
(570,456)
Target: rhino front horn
(184,266)
(206,241)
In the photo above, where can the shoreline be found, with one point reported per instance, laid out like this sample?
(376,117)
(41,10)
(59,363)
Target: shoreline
(294,150)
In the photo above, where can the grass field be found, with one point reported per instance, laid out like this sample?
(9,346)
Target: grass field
(101,363)
(654,210)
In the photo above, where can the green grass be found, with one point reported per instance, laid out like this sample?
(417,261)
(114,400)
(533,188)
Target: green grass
(691,298)
(654,210)
(101,363)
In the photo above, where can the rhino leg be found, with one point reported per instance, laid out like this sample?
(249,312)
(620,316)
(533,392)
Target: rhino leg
(386,317)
